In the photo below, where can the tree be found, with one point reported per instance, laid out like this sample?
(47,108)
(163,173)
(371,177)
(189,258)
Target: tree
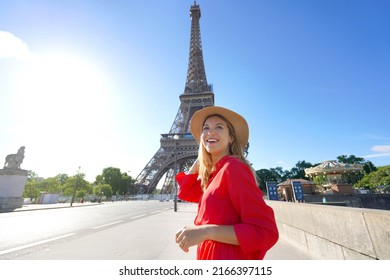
(265,175)
(51,185)
(298,172)
(33,177)
(78,183)
(102,190)
(368,166)
(364,182)
(350,159)
(62,178)
(31,190)
(375,179)
(381,177)
(119,182)
(281,174)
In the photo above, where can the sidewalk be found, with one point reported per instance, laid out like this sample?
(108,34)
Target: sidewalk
(168,222)
(30,207)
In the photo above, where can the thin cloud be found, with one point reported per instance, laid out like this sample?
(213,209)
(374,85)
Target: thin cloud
(379,151)
(13,47)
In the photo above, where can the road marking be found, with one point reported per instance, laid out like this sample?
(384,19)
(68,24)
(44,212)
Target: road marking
(106,225)
(155,212)
(139,216)
(34,244)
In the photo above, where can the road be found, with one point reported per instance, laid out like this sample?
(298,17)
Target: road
(120,230)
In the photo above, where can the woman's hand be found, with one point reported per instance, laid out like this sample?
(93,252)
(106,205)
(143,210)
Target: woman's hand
(194,168)
(190,236)
(193,235)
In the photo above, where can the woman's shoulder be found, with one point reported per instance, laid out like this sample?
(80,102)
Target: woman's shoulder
(233,162)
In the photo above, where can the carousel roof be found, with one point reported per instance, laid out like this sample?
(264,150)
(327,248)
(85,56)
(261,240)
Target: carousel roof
(333,167)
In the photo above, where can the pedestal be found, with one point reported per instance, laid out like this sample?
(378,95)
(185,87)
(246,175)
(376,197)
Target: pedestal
(12,183)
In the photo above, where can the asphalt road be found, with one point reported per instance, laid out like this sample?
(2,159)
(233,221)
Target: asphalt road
(120,230)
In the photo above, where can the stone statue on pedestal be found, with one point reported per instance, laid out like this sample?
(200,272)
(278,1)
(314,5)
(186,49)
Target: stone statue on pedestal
(15,160)
(12,182)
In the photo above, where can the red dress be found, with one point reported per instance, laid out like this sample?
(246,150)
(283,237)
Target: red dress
(231,198)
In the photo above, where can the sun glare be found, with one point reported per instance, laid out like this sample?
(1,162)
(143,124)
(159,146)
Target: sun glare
(62,90)
(64,100)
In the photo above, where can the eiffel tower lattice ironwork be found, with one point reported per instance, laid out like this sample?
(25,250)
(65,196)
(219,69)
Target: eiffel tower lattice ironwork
(178,148)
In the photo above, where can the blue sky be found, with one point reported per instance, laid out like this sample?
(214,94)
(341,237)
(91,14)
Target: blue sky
(93,84)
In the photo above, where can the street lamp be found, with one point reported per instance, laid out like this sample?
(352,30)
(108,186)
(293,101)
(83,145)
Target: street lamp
(176,137)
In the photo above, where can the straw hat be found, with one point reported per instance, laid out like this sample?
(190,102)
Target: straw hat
(238,122)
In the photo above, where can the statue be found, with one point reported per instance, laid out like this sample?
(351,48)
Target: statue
(15,160)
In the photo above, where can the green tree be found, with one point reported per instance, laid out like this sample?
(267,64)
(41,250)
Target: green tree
(62,178)
(298,172)
(368,166)
(33,177)
(281,174)
(375,179)
(102,190)
(365,182)
(31,190)
(350,159)
(381,177)
(78,183)
(119,182)
(51,185)
(265,175)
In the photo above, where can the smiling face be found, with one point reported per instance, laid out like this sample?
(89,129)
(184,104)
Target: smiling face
(216,137)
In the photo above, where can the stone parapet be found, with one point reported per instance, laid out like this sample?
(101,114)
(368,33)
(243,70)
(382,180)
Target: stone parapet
(333,232)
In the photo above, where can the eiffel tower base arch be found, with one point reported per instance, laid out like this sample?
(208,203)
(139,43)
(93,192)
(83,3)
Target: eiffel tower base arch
(172,157)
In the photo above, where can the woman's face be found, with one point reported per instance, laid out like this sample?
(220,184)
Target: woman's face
(216,137)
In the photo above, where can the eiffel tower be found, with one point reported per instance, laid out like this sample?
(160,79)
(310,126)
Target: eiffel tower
(178,148)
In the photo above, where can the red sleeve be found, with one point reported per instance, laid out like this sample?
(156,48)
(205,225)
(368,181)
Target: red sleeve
(257,230)
(189,187)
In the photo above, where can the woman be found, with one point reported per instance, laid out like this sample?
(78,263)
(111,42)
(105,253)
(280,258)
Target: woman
(233,221)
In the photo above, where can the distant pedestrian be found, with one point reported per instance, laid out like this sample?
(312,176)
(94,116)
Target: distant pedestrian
(233,220)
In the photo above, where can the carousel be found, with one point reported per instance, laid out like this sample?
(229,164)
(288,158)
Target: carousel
(335,177)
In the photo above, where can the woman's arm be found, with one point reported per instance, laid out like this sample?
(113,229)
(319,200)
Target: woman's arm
(257,229)
(191,236)
(189,186)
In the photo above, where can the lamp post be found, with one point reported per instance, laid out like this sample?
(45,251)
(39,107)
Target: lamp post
(176,137)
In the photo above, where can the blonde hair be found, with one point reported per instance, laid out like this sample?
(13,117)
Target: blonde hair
(206,163)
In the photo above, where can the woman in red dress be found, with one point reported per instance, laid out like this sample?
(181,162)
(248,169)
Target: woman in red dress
(233,221)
